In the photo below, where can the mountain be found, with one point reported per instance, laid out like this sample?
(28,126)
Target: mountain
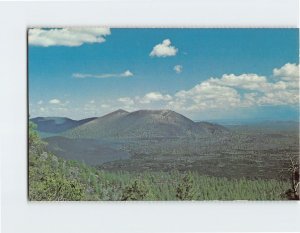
(212,127)
(57,124)
(143,124)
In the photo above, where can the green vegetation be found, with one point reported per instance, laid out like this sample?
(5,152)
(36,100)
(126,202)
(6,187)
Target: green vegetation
(52,178)
(186,188)
(134,192)
(47,178)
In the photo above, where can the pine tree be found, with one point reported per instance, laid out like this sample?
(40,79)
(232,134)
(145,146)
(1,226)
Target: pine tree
(136,191)
(185,189)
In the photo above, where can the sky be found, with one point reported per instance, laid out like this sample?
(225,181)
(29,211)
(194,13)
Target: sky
(204,74)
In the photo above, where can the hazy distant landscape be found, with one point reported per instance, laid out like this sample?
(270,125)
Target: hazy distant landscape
(164,141)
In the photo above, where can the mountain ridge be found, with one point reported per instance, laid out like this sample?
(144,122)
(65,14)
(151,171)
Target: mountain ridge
(143,124)
(57,124)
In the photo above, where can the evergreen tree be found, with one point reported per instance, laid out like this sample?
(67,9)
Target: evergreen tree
(185,189)
(136,191)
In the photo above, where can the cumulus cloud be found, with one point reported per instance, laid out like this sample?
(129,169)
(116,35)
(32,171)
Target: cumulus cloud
(139,102)
(287,72)
(152,97)
(244,81)
(178,69)
(54,101)
(125,74)
(67,36)
(285,97)
(228,92)
(165,49)
(241,91)
(204,96)
(40,102)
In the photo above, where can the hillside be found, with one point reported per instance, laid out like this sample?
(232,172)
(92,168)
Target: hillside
(56,179)
(143,124)
(88,151)
(57,124)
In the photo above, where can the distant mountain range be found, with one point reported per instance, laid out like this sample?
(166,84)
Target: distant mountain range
(57,124)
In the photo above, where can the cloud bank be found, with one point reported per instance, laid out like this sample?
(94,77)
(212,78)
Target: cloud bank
(228,92)
(245,90)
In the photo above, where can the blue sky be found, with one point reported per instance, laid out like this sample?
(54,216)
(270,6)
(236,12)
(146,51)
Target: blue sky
(205,74)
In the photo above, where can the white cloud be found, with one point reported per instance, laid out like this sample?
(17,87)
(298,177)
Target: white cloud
(55,107)
(287,72)
(59,102)
(286,97)
(178,69)
(243,81)
(164,49)
(54,101)
(217,95)
(125,74)
(152,97)
(67,36)
(126,100)
(205,96)
(225,92)
(40,102)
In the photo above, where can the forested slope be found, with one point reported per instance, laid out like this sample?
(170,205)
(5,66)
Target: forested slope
(54,179)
